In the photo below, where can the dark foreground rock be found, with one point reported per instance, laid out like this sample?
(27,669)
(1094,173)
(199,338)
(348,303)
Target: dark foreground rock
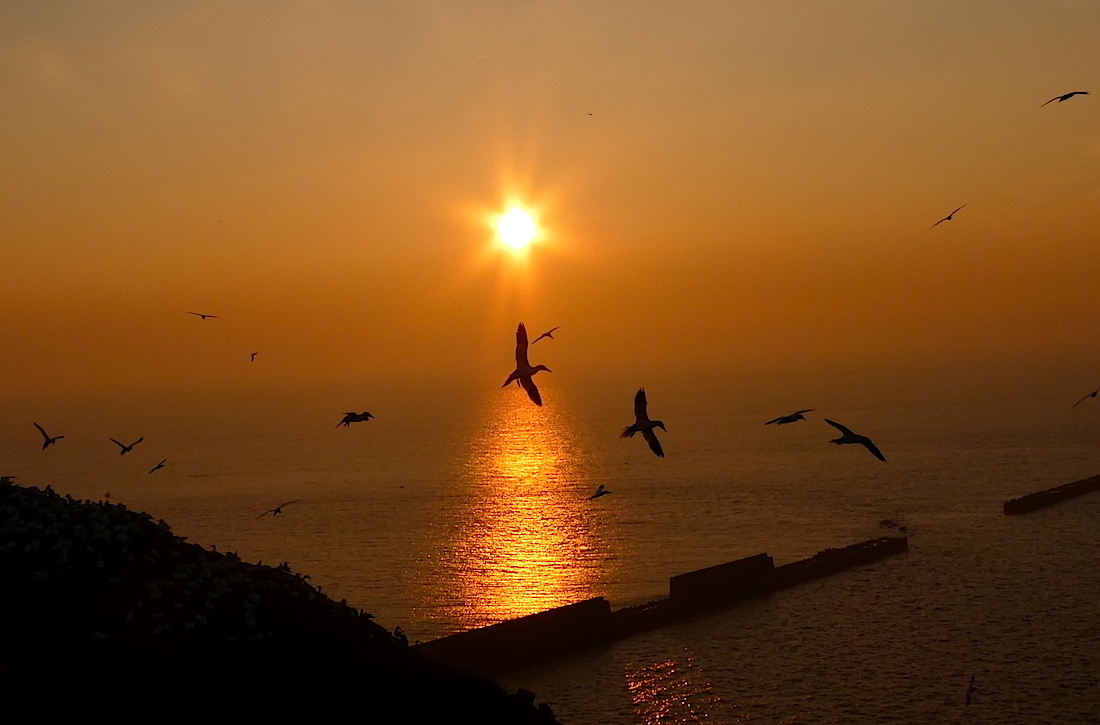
(100,605)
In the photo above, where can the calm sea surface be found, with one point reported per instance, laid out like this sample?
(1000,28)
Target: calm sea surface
(456,510)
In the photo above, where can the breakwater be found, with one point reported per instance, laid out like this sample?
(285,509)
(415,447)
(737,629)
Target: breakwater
(574,627)
(1042,499)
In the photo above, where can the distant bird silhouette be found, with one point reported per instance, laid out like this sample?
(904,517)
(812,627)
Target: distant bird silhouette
(946,218)
(48,440)
(784,419)
(202,315)
(601,491)
(278,509)
(354,417)
(524,373)
(643,425)
(850,437)
(1066,97)
(252,357)
(888,524)
(158,466)
(971,689)
(546,334)
(127,448)
(1082,400)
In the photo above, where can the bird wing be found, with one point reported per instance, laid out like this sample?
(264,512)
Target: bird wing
(953,213)
(521,347)
(1082,400)
(194,313)
(873,448)
(775,420)
(654,444)
(807,410)
(117,443)
(265,513)
(640,405)
(288,503)
(839,427)
(532,390)
(41,431)
(548,333)
(941,221)
(1052,100)
(139,440)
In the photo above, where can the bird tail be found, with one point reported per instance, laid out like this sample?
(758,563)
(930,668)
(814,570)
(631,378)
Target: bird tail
(628,432)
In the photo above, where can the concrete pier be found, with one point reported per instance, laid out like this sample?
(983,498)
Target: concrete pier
(1042,499)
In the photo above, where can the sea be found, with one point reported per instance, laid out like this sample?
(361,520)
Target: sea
(460,506)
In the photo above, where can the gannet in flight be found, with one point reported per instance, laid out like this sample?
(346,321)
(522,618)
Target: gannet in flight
(158,466)
(278,509)
(127,448)
(1082,400)
(643,425)
(202,315)
(850,437)
(252,357)
(524,372)
(48,440)
(601,491)
(1066,96)
(795,416)
(546,334)
(354,417)
(946,218)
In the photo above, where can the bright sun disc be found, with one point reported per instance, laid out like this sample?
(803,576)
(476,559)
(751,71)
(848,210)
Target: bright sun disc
(516,228)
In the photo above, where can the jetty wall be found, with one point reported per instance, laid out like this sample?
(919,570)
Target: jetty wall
(1042,499)
(537,637)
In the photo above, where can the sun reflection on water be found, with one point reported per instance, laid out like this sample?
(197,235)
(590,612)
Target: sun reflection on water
(525,539)
(672,691)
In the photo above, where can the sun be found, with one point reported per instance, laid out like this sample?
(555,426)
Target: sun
(517,228)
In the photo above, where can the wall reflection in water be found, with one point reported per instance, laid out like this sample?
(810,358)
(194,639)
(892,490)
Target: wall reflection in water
(525,537)
(673,691)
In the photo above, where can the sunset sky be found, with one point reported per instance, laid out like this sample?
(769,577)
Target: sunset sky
(723,188)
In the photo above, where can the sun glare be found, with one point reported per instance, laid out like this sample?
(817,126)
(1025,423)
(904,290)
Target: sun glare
(516,228)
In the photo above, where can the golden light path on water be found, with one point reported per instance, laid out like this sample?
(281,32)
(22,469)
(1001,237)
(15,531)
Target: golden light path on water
(526,537)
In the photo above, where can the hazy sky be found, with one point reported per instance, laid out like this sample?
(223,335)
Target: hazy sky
(724,187)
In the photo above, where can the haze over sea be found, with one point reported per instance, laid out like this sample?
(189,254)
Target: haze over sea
(464,505)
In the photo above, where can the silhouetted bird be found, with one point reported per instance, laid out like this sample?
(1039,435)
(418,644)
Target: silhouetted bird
(1082,400)
(970,690)
(353,417)
(946,218)
(278,509)
(547,334)
(888,524)
(202,315)
(1066,96)
(127,448)
(252,357)
(643,425)
(850,437)
(601,491)
(48,441)
(158,466)
(524,372)
(795,416)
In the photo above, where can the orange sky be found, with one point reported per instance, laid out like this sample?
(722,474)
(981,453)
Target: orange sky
(752,190)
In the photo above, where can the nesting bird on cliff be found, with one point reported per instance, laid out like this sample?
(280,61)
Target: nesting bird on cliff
(795,416)
(643,425)
(850,437)
(48,441)
(524,373)
(354,417)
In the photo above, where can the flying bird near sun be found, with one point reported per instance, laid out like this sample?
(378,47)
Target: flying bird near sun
(850,437)
(946,218)
(127,448)
(784,419)
(524,372)
(48,440)
(354,417)
(549,334)
(643,425)
(203,316)
(1066,97)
